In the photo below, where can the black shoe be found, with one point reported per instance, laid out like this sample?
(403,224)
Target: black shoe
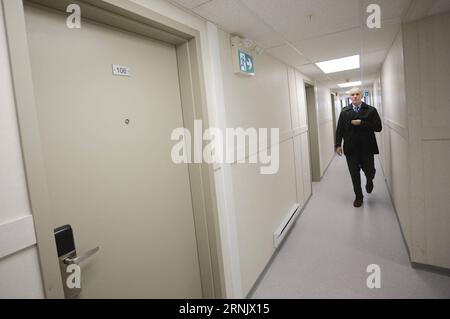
(358,202)
(369,186)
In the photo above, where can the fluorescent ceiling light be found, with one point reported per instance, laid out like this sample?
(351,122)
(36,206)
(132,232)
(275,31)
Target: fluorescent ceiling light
(337,65)
(349,84)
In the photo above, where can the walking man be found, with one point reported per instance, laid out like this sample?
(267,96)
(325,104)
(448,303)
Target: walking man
(357,125)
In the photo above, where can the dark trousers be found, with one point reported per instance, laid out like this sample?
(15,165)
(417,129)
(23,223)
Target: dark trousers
(358,161)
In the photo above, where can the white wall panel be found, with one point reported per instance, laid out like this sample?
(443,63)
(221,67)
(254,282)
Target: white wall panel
(437,204)
(434,53)
(294,99)
(261,203)
(400,181)
(20,277)
(415,149)
(427,45)
(299,167)
(19,271)
(395,144)
(393,79)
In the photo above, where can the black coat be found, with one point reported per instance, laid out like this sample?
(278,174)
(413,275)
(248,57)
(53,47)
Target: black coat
(358,138)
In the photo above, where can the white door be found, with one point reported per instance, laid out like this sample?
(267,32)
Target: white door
(107,152)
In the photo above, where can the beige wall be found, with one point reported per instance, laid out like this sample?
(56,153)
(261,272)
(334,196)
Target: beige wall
(427,66)
(19,268)
(274,97)
(394,135)
(416,140)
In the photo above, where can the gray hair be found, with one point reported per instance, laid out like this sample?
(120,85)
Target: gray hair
(356,89)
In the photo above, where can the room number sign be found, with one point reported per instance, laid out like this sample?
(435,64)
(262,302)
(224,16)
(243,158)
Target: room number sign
(120,70)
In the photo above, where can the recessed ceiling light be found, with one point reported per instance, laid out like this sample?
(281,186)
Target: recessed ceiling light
(349,84)
(337,65)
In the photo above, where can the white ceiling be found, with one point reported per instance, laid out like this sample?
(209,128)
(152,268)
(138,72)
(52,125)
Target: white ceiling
(302,32)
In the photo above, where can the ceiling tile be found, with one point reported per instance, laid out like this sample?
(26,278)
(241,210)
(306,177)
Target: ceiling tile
(312,71)
(333,46)
(288,55)
(236,19)
(189,4)
(349,43)
(298,20)
(264,38)
(229,15)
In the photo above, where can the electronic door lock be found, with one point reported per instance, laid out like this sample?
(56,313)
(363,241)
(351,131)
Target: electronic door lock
(67,256)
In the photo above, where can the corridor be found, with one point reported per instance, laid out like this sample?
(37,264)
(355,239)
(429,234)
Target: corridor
(328,250)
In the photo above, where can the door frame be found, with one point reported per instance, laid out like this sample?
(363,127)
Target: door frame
(313,130)
(333,112)
(137,19)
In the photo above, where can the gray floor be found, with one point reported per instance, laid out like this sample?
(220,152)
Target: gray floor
(329,248)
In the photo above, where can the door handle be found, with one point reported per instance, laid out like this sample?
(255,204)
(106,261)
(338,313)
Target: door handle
(67,257)
(83,257)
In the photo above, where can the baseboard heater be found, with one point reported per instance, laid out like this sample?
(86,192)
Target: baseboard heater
(285,225)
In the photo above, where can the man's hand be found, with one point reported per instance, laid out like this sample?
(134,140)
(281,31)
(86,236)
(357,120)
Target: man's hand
(339,151)
(356,122)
